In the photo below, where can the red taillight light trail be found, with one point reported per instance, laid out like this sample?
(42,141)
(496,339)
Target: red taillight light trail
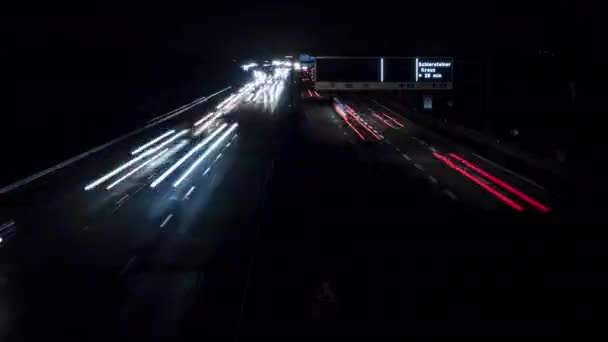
(497,194)
(506,186)
(345,118)
(352,113)
(384,121)
(393,120)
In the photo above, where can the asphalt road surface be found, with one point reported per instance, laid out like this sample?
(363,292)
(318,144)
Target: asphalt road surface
(332,218)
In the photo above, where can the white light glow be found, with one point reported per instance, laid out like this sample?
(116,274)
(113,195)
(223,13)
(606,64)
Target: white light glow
(152,142)
(298,66)
(118,169)
(205,118)
(225,101)
(207,124)
(173,138)
(246,67)
(119,180)
(188,155)
(204,155)
(381,69)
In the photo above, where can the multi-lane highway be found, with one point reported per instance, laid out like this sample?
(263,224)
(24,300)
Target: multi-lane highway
(133,235)
(272,203)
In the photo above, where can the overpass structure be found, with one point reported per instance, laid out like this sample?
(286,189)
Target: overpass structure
(383,73)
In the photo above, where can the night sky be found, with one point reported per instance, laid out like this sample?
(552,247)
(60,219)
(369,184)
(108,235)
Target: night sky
(244,29)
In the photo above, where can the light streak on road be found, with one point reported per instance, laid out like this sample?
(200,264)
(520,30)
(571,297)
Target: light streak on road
(141,166)
(352,113)
(205,118)
(207,124)
(257,94)
(172,150)
(225,101)
(504,185)
(188,155)
(173,138)
(393,120)
(117,170)
(488,188)
(189,192)
(345,118)
(152,142)
(211,148)
(384,121)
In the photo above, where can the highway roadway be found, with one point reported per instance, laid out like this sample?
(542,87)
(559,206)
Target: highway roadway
(131,239)
(380,224)
(275,204)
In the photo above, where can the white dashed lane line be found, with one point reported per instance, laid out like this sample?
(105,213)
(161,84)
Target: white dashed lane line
(123,198)
(189,192)
(450,194)
(406,156)
(433,180)
(166,220)
(419,167)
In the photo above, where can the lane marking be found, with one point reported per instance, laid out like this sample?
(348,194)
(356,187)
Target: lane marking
(219,156)
(525,179)
(189,192)
(450,194)
(167,219)
(74,159)
(397,149)
(419,167)
(406,156)
(432,149)
(433,179)
(207,171)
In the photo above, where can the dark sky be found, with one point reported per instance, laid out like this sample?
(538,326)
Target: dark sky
(243,29)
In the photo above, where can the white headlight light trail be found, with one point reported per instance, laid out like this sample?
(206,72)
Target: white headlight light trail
(211,148)
(188,155)
(119,180)
(205,118)
(109,175)
(173,138)
(119,169)
(152,142)
(225,101)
